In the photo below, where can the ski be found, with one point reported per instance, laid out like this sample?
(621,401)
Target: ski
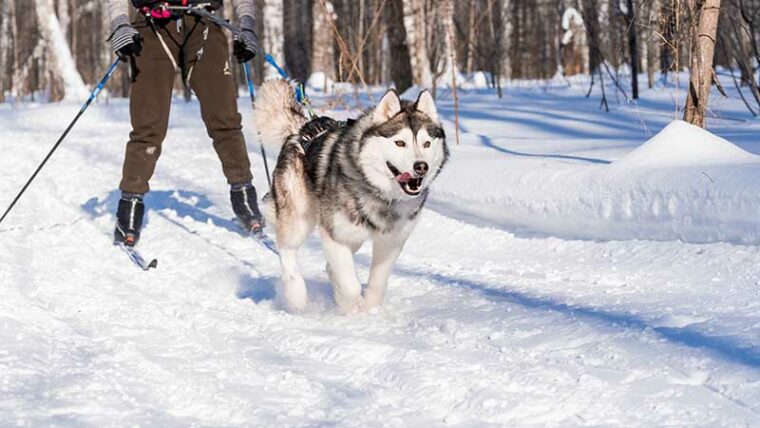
(136,257)
(264,239)
(260,236)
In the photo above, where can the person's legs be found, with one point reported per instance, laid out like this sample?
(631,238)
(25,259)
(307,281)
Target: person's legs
(213,83)
(149,104)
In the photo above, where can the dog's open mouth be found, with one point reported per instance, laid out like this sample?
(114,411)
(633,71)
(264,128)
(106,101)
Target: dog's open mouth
(411,185)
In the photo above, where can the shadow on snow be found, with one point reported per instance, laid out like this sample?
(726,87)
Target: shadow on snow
(188,204)
(193,205)
(725,347)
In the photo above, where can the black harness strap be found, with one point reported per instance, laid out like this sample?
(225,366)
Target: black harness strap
(318,127)
(134,71)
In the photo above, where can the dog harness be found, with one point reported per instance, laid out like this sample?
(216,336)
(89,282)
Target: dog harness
(319,127)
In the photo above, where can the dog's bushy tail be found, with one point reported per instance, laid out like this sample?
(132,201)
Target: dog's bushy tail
(278,114)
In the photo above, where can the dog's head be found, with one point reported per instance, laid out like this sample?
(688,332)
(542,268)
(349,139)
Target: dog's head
(404,149)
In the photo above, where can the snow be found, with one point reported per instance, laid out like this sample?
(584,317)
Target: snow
(499,313)
(318,81)
(682,144)
(479,80)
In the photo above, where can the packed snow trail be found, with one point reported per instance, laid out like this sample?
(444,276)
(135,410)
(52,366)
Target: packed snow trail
(482,326)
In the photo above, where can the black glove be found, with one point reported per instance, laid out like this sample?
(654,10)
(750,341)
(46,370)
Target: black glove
(245,43)
(125,40)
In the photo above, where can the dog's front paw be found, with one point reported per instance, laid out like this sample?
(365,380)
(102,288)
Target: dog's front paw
(293,293)
(372,300)
(350,305)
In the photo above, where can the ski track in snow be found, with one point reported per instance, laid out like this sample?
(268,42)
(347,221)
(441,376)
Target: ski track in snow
(482,326)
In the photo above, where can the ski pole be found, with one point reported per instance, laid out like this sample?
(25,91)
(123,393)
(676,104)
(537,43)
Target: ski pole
(247,70)
(93,95)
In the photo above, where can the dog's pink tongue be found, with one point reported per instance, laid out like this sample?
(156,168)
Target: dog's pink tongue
(404,178)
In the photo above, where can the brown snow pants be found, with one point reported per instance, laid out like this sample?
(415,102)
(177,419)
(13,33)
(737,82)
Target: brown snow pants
(207,54)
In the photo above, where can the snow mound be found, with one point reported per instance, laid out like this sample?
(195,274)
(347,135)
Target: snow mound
(318,81)
(480,80)
(684,184)
(683,144)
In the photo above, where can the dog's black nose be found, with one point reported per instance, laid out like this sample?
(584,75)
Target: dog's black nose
(421,168)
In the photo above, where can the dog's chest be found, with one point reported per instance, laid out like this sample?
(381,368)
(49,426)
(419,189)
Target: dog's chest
(363,218)
(346,229)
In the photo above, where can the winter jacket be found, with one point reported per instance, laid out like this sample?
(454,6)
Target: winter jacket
(120,8)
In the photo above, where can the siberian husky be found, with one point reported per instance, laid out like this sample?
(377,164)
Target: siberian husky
(362,180)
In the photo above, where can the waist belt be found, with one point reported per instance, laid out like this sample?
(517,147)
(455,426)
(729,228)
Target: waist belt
(167,10)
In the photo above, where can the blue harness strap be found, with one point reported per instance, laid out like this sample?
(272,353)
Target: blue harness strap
(300,91)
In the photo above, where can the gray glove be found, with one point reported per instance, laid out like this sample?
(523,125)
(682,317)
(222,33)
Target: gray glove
(125,40)
(246,43)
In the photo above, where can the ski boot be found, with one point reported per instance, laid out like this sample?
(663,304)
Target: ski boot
(129,219)
(246,207)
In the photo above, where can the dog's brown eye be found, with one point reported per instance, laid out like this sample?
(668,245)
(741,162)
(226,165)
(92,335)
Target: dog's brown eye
(426,145)
(400,143)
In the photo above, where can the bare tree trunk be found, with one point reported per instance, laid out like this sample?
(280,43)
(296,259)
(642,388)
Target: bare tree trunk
(591,20)
(4,51)
(400,66)
(64,17)
(497,49)
(323,48)
(506,39)
(273,32)
(58,53)
(633,49)
(296,38)
(448,17)
(414,22)
(702,74)
(653,42)
(470,47)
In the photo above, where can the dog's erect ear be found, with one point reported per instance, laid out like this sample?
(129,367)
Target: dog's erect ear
(388,107)
(426,104)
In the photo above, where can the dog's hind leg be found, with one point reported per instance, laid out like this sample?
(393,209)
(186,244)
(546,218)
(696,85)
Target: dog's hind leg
(340,267)
(385,252)
(296,217)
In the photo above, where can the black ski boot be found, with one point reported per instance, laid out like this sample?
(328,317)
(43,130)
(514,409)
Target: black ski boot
(246,207)
(129,219)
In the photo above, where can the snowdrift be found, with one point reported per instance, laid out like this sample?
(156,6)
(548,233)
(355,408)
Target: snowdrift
(683,184)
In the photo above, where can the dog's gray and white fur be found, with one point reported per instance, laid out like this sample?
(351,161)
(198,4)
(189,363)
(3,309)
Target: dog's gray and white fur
(365,180)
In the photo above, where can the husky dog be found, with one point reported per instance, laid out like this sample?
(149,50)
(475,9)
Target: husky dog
(365,179)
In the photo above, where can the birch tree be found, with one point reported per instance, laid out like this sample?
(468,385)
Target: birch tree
(273,32)
(506,39)
(4,50)
(323,47)
(704,30)
(58,52)
(414,23)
